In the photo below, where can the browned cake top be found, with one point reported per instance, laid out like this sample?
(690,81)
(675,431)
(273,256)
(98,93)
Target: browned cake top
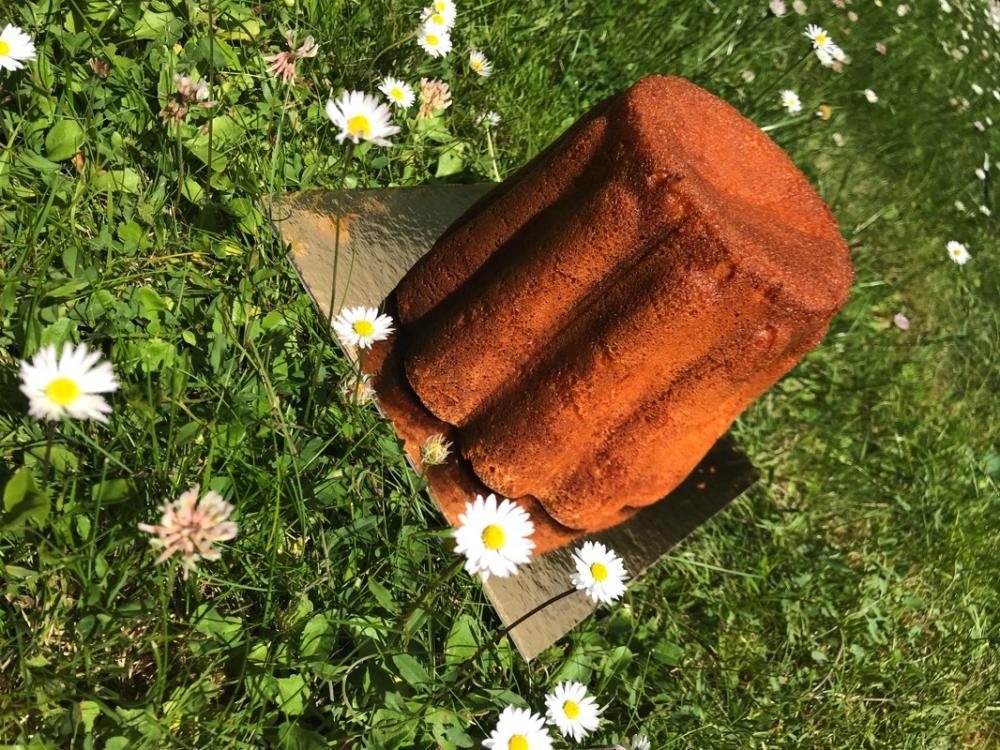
(757,203)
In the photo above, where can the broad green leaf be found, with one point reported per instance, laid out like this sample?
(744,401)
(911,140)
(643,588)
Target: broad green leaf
(23,501)
(64,139)
(292,694)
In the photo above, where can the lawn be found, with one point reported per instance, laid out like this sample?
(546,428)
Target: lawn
(849,599)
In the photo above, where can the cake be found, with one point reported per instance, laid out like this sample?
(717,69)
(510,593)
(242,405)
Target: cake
(594,324)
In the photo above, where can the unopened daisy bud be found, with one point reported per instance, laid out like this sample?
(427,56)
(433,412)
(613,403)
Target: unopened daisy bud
(871,96)
(435,450)
(599,572)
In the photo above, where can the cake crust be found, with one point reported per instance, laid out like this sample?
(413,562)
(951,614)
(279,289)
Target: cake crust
(595,324)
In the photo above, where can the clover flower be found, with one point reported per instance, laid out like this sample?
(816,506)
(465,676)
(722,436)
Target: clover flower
(190,528)
(282,64)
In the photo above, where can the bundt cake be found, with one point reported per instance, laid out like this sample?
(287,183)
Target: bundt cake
(594,324)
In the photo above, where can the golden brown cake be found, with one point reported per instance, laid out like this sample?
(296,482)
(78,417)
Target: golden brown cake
(594,324)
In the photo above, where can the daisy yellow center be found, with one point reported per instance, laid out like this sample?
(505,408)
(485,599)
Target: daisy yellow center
(956,252)
(477,65)
(364,327)
(518,742)
(61,391)
(821,39)
(397,94)
(440,7)
(432,40)
(571,709)
(493,538)
(4,48)
(599,571)
(438,19)
(360,125)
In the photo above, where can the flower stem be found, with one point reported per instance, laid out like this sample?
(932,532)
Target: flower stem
(336,236)
(493,156)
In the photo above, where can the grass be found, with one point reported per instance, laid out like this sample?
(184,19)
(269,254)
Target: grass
(848,600)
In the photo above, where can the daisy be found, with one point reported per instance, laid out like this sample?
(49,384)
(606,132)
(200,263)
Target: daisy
(518,729)
(488,119)
(399,93)
(479,63)
(639,742)
(575,713)
(790,101)
(190,528)
(435,450)
(15,47)
(439,23)
(445,7)
(599,572)
(820,39)
(494,538)
(362,326)
(434,43)
(778,7)
(871,96)
(958,252)
(358,390)
(67,385)
(825,58)
(360,117)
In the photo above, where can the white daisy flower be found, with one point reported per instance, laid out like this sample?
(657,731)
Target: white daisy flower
(434,43)
(479,63)
(67,385)
(574,713)
(495,539)
(790,101)
(825,58)
(518,729)
(15,47)
(360,117)
(599,572)
(445,7)
(398,92)
(958,252)
(837,53)
(820,38)
(639,742)
(488,119)
(362,326)
(440,23)
(871,96)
